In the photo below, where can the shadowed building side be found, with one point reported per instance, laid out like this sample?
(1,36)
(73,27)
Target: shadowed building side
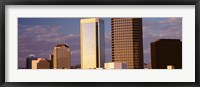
(51,60)
(40,63)
(166,53)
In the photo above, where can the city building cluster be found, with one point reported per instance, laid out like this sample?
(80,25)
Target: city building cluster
(127,48)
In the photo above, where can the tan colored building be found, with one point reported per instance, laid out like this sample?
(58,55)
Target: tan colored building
(61,57)
(40,63)
(92,43)
(127,44)
(165,52)
(170,67)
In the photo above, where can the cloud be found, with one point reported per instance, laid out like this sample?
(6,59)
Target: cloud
(170,28)
(171,21)
(108,40)
(40,40)
(108,46)
(108,54)
(75,57)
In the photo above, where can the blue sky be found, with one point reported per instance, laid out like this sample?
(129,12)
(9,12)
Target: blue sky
(38,36)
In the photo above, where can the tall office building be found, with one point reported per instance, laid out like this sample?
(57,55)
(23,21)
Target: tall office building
(61,57)
(92,43)
(166,52)
(40,63)
(29,61)
(127,44)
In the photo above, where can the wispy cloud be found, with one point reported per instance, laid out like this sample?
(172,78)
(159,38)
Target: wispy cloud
(170,28)
(40,41)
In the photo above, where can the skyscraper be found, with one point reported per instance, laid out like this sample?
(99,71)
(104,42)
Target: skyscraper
(61,57)
(40,63)
(166,52)
(29,61)
(127,44)
(92,43)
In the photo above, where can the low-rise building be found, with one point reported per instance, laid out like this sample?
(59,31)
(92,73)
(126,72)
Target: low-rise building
(115,65)
(170,67)
(40,63)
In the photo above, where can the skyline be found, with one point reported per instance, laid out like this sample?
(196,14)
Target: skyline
(39,35)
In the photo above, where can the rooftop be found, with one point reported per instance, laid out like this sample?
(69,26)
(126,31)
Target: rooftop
(163,40)
(61,45)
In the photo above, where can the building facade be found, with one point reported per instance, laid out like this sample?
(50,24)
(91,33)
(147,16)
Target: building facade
(92,43)
(40,63)
(127,42)
(29,61)
(165,52)
(61,57)
(115,65)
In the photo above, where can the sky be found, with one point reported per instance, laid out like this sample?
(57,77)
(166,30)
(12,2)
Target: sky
(38,36)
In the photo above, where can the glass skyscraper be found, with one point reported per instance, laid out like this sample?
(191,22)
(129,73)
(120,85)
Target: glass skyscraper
(92,43)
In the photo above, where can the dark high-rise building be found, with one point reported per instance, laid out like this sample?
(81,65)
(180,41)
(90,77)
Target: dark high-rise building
(127,45)
(29,61)
(166,52)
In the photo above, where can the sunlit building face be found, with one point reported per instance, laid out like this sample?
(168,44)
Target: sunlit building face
(127,45)
(61,57)
(92,43)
